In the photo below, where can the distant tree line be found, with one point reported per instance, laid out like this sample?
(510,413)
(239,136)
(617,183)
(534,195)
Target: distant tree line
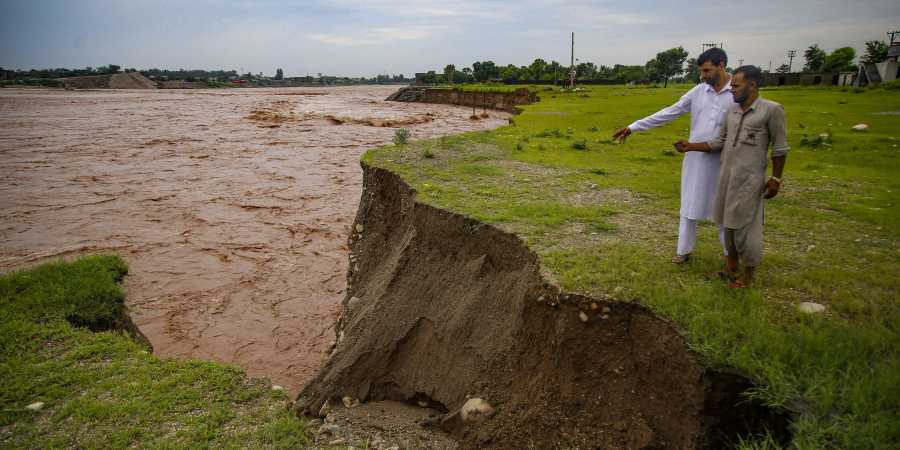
(841,59)
(63,72)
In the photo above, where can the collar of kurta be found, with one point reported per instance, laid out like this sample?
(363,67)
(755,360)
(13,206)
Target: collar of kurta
(725,88)
(751,108)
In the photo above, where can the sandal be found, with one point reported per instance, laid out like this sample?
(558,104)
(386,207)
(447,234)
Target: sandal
(738,284)
(681,259)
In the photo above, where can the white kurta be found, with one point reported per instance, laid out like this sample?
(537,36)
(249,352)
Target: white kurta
(699,171)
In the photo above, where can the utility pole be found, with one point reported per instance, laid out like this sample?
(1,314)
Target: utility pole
(892,34)
(572,64)
(770,66)
(791,54)
(709,45)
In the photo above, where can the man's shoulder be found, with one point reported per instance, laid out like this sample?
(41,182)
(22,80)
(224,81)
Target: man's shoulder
(769,103)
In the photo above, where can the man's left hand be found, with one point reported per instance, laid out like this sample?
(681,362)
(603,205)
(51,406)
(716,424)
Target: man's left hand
(772,187)
(681,146)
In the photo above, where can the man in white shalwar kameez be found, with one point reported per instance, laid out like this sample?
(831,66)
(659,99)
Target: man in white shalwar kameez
(707,103)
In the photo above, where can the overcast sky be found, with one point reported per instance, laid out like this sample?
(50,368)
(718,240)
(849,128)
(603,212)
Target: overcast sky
(342,37)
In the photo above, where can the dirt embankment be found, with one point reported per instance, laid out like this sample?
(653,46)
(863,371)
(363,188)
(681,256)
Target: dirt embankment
(504,101)
(441,308)
(131,80)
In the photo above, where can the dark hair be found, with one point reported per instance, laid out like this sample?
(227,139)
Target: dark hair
(714,55)
(751,73)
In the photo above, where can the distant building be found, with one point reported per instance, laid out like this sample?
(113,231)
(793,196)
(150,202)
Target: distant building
(887,70)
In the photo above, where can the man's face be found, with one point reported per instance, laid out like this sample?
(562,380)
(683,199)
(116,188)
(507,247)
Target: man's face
(741,88)
(711,73)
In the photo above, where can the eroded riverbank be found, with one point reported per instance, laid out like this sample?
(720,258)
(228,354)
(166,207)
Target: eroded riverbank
(232,207)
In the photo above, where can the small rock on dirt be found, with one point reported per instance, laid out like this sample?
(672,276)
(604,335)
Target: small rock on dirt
(276,387)
(475,410)
(811,308)
(328,428)
(359,228)
(583,317)
(860,127)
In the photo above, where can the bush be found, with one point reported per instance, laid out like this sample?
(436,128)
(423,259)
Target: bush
(401,136)
(579,144)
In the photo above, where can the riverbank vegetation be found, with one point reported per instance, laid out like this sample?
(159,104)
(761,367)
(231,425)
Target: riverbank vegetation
(65,386)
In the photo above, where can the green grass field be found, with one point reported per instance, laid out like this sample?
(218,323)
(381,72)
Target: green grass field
(603,218)
(104,390)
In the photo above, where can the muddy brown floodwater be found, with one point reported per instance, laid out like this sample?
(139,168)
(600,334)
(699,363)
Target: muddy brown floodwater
(232,207)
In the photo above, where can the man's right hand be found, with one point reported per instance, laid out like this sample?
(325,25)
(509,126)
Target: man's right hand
(622,134)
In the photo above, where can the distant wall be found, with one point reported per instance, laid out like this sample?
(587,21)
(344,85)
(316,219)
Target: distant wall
(811,79)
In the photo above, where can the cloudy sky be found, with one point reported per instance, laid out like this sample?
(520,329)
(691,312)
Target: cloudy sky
(343,37)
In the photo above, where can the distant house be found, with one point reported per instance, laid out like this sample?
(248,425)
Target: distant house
(887,70)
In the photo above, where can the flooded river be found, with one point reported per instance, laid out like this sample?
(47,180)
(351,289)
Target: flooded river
(232,207)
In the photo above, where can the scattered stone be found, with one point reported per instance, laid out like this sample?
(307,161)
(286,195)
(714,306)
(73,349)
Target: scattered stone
(359,228)
(276,387)
(393,448)
(594,306)
(349,402)
(541,299)
(36,406)
(337,441)
(810,248)
(328,428)
(476,410)
(352,303)
(604,316)
(860,127)
(582,316)
(422,404)
(811,308)
(325,409)
(606,310)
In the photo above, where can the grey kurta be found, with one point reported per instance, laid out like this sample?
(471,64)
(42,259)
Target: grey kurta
(744,141)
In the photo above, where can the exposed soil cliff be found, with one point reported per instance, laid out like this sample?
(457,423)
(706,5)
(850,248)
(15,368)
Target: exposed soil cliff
(441,308)
(504,101)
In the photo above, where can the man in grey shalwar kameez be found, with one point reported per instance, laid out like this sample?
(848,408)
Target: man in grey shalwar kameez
(751,124)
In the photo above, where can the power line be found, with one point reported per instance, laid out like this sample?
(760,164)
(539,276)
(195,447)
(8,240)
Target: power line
(791,54)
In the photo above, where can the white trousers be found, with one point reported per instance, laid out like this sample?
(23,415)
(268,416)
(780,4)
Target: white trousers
(687,236)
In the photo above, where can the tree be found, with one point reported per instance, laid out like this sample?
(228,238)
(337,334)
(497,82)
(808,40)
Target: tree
(692,71)
(279,74)
(815,58)
(840,60)
(784,68)
(484,71)
(667,64)
(876,52)
(448,73)
(537,69)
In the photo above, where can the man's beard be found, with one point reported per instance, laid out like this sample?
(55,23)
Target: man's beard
(713,80)
(739,98)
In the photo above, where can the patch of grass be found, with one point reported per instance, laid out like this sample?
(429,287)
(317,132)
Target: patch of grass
(401,136)
(103,389)
(831,236)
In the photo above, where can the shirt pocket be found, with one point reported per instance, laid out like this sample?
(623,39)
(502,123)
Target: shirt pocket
(754,136)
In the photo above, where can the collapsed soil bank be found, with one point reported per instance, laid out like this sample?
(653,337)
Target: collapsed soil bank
(440,308)
(503,101)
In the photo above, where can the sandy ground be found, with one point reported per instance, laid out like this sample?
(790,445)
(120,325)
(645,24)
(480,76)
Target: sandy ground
(232,207)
